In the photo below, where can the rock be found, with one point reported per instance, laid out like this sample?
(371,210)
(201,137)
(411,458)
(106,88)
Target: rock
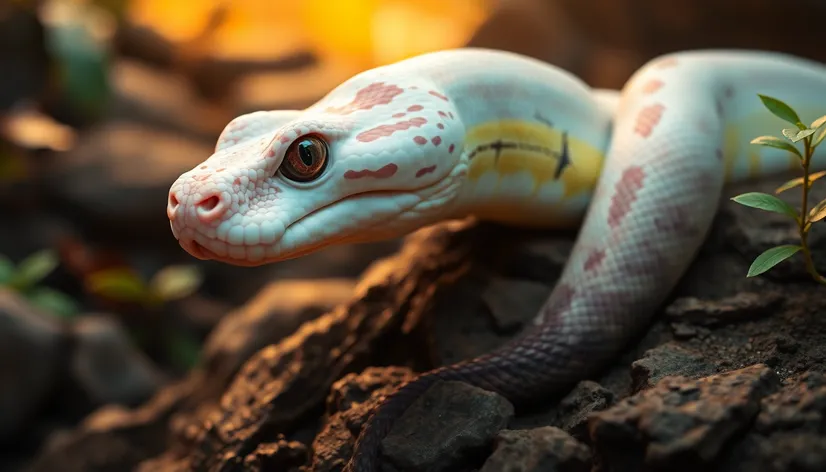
(514,302)
(288,456)
(583,400)
(32,345)
(114,438)
(680,423)
(788,434)
(545,449)
(666,360)
(107,367)
(118,176)
(349,404)
(274,313)
(448,425)
(281,385)
(741,307)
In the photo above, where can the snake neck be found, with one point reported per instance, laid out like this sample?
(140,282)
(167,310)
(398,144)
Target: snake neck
(535,139)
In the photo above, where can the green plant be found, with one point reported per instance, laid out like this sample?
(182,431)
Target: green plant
(810,136)
(24,278)
(125,285)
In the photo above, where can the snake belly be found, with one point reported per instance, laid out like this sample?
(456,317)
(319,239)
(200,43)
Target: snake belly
(510,139)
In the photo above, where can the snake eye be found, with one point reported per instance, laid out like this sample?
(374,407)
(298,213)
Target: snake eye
(305,159)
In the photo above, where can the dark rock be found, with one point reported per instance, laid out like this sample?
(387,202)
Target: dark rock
(450,424)
(350,403)
(284,455)
(545,449)
(680,424)
(273,314)
(514,302)
(583,400)
(107,367)
(32,345)
(666,360)
(114,438)
(280,386)
(788,434)
(683,331)
(741,307)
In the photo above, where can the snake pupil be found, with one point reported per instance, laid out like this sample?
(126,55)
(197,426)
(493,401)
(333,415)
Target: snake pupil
(305,152)
(305,159)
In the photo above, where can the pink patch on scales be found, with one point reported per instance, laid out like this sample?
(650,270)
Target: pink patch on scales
(648,118)
(425,170)
(625,194)
(438,95)
(383,131)
(652,86)
(385,172)
(594,260)
(371,96)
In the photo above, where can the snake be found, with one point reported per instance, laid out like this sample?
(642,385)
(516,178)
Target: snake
(503,137)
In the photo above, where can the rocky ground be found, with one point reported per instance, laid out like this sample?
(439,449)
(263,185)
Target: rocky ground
(275,368)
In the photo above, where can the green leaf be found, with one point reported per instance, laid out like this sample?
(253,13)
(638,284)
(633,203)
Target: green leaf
(764,201)
(780,110)
(775,142)
(175,282)
(820,125)
(818,212)
(121,284)
(57,303)
(6,270)
(35,268)
(799,181)
(797,134)
(771,258)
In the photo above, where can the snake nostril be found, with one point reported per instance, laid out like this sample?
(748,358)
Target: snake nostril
(209,203)
(172,205)
(210,208)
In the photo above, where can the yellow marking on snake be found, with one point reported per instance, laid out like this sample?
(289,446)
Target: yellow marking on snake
(580,175)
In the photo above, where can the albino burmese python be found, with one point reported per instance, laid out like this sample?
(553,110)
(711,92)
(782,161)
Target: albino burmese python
(510,139)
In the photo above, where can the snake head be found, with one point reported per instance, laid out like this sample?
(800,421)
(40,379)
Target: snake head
(374,159)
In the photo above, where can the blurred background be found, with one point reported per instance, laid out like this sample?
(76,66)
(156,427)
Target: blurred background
(104,103)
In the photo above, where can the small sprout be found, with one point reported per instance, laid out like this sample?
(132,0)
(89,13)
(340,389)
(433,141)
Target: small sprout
(53,301)
(175,282)
(771,258)
(796,135)
(121,284)
(125,285)
(819,125)
(799,181)
(35,268)
(24,278)
(818,212)
(811,137)
(6,270)
(767,202)
(775,142)
(781,110)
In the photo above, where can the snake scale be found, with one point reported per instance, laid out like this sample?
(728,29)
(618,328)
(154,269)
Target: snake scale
(510,139)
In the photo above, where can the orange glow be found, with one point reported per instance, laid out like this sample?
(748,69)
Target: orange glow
(356,33)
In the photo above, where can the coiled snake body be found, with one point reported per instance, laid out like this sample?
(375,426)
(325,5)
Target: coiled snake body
(515,140)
